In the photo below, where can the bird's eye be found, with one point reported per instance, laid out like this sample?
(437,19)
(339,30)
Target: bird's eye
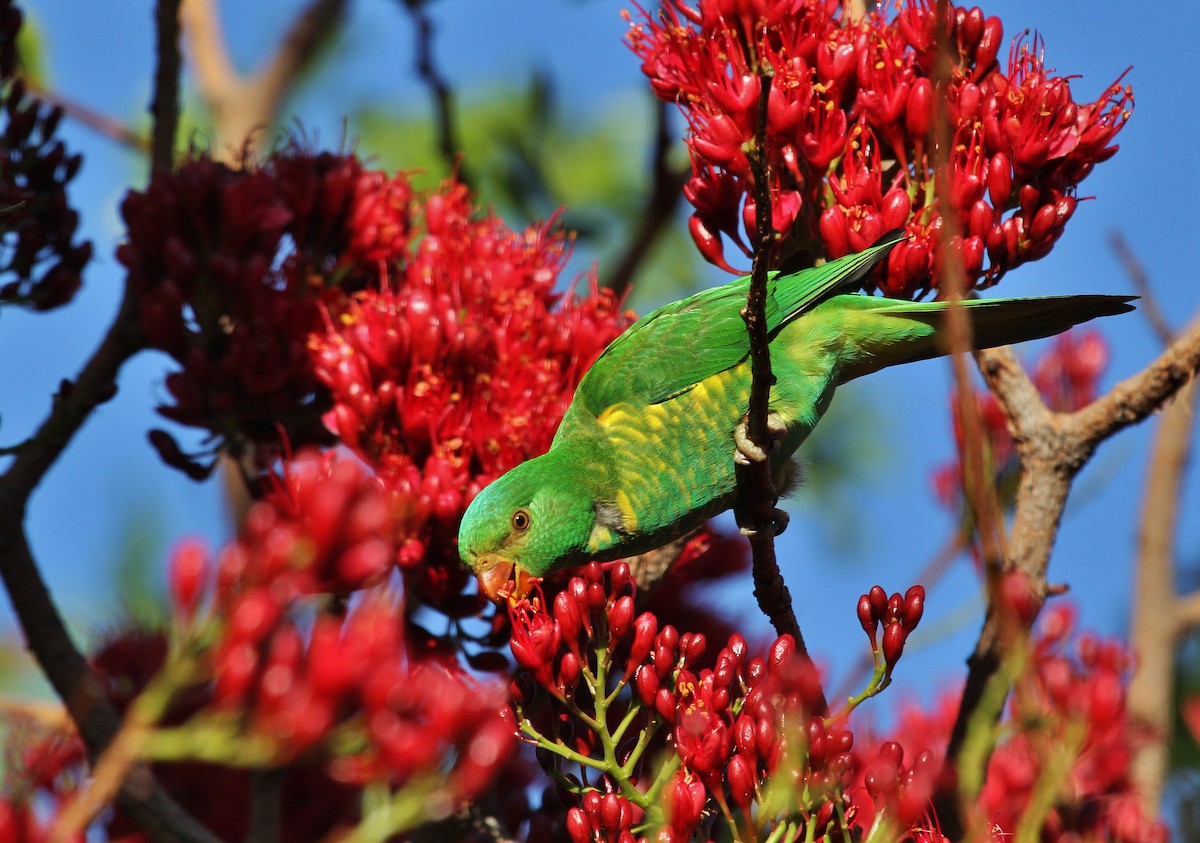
(520,521)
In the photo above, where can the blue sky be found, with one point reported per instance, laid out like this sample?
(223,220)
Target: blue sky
(101,54)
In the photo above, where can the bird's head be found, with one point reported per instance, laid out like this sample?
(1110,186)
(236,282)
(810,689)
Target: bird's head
(525,525)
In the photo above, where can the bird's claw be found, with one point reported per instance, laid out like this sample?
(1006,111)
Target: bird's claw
(779,523)
(747,451)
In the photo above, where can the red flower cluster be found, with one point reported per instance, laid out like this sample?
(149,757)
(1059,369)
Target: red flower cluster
(309,299)
(293,688)
(50,768)
(459,368)
(849,137)
(38,226)
(899,616)
(618,685)
(1067,376)
(1070,703)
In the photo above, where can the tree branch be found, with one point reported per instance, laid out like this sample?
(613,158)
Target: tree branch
(98,122)
(1141,284)
(1136,397)
(448,144)
(1157,611)
(1053,448)
(666,188)
(242,107)
(756,508)
(164,107)
(45,633)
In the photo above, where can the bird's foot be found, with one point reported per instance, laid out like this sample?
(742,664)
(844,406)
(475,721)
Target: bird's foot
(779,523)
(747,451)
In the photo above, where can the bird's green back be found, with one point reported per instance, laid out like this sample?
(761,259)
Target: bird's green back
(682,343)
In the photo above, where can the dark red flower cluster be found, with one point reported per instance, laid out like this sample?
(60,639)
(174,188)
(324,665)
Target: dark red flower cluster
(850,125)
(459,368)
(229,269)
(39,250)
(1067,376)
(618,684)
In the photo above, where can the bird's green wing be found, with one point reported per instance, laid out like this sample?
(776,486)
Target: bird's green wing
(672,349)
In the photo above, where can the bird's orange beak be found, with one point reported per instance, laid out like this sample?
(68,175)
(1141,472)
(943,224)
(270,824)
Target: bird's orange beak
(503,580)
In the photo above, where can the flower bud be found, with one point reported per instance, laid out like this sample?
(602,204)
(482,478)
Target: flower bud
(665,704)
(188,571)
(566,614)
(918,114)
(914,607)
(878,601)
(568,671)
(781,650)
(620,577)
(989,44)
(893,645)
(620,618)
(579,827)
(647,684)
(741,777)
(744,735)
(894,606)
(867,619)
(644,630)
(610,811)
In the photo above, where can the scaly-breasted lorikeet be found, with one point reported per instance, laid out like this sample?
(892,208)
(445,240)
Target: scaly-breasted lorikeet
(646,450)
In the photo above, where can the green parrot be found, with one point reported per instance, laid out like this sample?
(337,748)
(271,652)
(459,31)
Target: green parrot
(648,447)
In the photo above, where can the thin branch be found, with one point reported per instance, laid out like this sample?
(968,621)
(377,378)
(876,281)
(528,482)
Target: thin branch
(164,108)
(756,509)
(1053,448)
(1141,284)
(98,122)
(308,34)
(448,143)
(207,53)
(665,190)
(243,107)
(45,633)
(1187,613)
(1136,397)
(1156,614)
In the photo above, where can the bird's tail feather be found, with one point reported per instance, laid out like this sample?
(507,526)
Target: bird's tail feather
(894,331)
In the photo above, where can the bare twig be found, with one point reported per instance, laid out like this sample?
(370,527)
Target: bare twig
(666,186)
(100,123)
(1134,398)
(1156,625)
(45,633)
(448,143)
(979,492)
(1053,448)
(1141,284)
(756,509)
(164,108)
(244,107)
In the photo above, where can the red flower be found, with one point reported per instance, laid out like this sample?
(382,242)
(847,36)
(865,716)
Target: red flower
(834,190)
